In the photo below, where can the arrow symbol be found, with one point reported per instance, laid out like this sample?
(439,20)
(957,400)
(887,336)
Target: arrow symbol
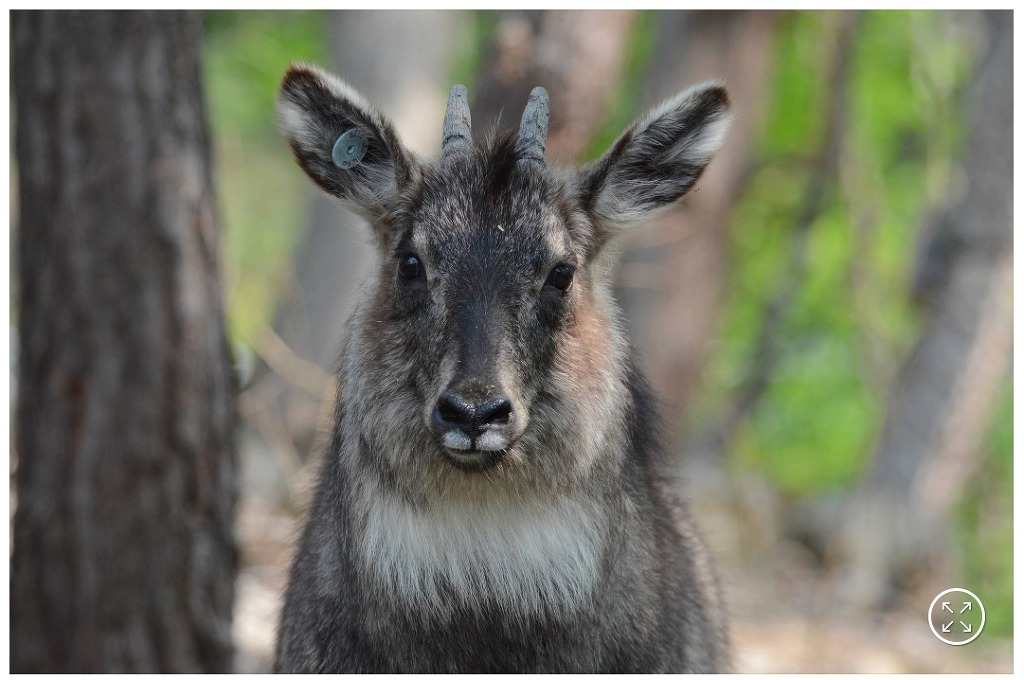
(967,607)
(946,607)
(945,629)
(967,627)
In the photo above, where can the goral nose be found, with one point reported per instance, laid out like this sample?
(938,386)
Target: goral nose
(466,423)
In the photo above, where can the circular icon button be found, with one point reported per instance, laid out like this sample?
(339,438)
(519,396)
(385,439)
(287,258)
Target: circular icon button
(956,616)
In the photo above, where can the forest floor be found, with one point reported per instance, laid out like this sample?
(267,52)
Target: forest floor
(780,611)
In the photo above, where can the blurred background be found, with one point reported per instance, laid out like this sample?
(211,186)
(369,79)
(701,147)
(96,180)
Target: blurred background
(827,318)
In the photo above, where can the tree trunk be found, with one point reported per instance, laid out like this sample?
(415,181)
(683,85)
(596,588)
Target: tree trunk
(124,553)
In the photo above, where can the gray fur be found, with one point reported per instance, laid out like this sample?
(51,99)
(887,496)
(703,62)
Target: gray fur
(550,539)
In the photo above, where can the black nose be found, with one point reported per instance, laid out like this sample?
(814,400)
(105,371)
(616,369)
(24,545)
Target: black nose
(455,410)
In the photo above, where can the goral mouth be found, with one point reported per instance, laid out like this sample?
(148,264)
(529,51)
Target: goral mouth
(473,459)
(474,451)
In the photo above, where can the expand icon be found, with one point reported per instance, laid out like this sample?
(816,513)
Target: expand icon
(956,616)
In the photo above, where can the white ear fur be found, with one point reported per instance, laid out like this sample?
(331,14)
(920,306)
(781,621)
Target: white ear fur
(711,136)
(296,122)
(659,158)
(314,109)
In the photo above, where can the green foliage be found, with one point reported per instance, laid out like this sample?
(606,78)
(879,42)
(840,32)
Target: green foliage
(850,320)
(473,42)
(246,56)
(247,53)
(794,121)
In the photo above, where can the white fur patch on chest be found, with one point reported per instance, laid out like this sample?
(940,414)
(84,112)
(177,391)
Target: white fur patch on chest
(525,557)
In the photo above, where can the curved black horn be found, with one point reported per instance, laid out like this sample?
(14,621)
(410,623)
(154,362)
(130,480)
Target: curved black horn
(533,130)
(458,131)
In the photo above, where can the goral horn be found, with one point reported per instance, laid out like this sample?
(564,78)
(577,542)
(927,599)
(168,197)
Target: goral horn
(533,130)
(458,131)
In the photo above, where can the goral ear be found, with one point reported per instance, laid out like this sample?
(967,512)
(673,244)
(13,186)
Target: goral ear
(369,167)
(657,160)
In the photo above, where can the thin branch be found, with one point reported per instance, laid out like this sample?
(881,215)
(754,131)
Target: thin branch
(301,373)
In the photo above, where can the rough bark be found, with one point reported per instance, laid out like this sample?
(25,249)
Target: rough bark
(124,553)
(408,82)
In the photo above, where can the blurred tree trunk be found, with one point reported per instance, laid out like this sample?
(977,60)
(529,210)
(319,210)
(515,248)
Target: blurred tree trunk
(408,82)
(673,271)
(944,397)
(124,554)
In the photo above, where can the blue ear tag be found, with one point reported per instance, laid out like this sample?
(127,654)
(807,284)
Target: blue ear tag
(349,149)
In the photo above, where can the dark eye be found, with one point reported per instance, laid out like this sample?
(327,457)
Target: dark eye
(409,267)
(560,277)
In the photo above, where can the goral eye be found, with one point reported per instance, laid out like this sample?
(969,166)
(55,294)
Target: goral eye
(560,277)
(409,267)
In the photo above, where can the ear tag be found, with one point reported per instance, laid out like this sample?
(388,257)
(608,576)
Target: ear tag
(349,149)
